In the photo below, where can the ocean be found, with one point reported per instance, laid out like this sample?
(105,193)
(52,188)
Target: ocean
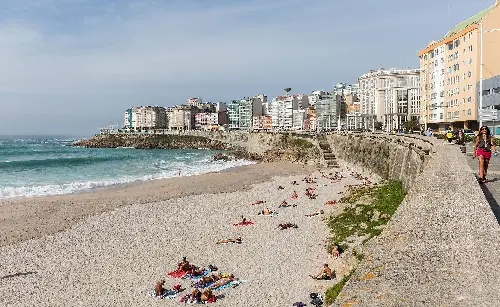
(36,166)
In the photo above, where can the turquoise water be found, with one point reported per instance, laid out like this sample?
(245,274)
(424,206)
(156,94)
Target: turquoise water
(32,166)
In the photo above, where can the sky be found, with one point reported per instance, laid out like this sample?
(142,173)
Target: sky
(68,67)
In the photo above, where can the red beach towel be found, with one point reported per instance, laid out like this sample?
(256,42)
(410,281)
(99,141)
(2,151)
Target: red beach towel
(177,274)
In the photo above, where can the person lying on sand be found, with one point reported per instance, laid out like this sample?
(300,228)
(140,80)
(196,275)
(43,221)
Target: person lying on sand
(294,195)
(315,213)
(223,281)
(294,183)
(281,188)
(196,296)
(237,241)
(287,225)
(331,202)
(159,288)
(267,211)
(259,202)
(206,280)
(325,274)
(284,204)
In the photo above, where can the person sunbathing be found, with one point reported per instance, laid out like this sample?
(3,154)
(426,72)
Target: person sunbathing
(194,271)
(284,204)
(281,188)
(259,202)
(207,280)
(266,211)
(315,213)
(294,195)
(331,202)
(207,296)
(237,241)
(196,296)
(287,225)
(159,288)
(223,281)
(294,183)
(335,251)
(325,274)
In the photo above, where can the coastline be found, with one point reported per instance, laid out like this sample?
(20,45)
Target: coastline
(30,218)
(114,258)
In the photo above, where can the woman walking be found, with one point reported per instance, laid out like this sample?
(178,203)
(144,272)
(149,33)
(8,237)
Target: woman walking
(482,150)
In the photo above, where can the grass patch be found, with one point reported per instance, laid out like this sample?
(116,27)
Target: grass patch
(365,219)
(370,208)
(332,293)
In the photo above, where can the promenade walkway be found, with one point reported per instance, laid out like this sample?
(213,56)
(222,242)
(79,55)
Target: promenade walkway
(492,189)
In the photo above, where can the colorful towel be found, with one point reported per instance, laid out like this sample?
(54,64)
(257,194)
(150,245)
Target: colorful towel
(177,273)
(167,294)
(202,285)
(205,273)
(271,215)
(243,223)
(231,284)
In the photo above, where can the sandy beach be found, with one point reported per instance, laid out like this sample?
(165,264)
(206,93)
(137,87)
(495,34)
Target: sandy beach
(109,247)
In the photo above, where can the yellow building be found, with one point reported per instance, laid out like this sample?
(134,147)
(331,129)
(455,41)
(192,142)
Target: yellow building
(451,73)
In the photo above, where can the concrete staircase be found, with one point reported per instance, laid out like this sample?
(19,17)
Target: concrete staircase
(328,155)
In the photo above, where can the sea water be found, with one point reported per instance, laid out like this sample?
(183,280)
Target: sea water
(35,166)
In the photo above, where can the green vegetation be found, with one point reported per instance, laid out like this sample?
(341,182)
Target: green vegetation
(369,210)
(365,219)
(332,293)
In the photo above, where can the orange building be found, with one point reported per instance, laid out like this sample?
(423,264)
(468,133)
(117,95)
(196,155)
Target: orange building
(451,73)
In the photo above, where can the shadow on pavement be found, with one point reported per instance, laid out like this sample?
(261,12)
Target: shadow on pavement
(491,200)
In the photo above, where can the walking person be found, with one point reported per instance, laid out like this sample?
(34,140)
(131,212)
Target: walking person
(483,148)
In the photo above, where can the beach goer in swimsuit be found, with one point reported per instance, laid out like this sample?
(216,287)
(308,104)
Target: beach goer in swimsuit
(207,295)
(294,195)
(223,281)
(196,296)
(266,211)
(184,265)
(325,274)
(159,288)
(315,213)
(237,241)
(335,251)
(287,225)
(483,148)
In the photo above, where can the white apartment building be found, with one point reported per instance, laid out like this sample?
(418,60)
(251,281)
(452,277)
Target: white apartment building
(195,102)
(390,97)
(315,96)
(281,110)
(138,118)
(345,89)
(205,120)
(298,120)
(181,117)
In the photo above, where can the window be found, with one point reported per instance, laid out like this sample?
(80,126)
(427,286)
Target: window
(469,112)
(486,92)
(469,99)
(470,48)
(470,74)
(441,116)
(470,60)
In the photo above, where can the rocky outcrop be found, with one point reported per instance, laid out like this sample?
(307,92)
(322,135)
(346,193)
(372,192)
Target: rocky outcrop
(152,141)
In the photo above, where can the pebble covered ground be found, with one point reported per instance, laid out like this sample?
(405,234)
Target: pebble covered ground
(115,258)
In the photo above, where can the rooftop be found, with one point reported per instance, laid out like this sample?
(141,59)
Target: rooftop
(470,21)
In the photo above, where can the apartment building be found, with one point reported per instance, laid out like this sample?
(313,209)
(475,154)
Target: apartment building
(452,69)
(262,123)
(353,114)
(328,112)
(206,120)
(282,109)
(241,113)
(181,117)
(195,102)
(345,89)
(390,97)
(140,118)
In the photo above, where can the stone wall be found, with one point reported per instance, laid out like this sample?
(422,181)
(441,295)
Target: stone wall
(442,246)
(400,157)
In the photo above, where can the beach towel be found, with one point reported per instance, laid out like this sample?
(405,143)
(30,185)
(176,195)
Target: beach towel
(243,223)
(231,284)
(177,273)
(205,273)
(271,215)
(167,294)
(201,285)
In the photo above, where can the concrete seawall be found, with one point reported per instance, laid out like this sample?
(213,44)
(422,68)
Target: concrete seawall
(442,246)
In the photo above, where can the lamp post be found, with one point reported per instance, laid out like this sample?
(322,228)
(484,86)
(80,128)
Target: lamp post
(481,30)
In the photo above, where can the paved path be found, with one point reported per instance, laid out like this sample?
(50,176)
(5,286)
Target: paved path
(492,189)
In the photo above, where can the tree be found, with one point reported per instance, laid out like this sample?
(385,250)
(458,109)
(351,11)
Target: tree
(411,126)
(378,125)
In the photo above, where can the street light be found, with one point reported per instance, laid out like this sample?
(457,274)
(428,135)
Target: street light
(481,72)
